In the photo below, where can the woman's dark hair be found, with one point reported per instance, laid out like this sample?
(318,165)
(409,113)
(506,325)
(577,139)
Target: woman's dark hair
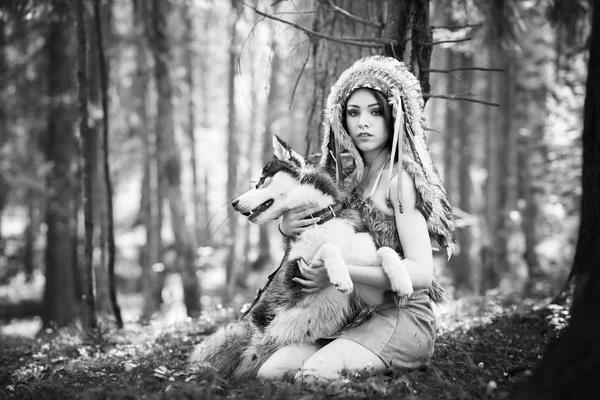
(386,112)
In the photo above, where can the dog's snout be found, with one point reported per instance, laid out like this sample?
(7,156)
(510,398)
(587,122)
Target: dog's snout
(235,203)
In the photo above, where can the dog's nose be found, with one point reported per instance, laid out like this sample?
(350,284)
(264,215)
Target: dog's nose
(235,203)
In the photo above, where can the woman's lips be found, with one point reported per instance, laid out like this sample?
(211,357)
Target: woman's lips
(364,134)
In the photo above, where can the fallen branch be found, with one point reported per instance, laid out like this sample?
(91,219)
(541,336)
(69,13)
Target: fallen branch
(458,97)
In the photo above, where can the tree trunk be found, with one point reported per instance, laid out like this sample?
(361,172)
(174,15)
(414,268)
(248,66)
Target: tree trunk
(451,148)
(3,125)
(204,66)
(408,24)
(87,151)
(151,216)
(466,266)
(205,177)
(169,156)
(102,298)
(494,253)
(250,154)
(527,192)
(272,114)
(534,79)
(233,153)
(204,69)
(190,62)
(586,266)
(31,234)
(572,362)
(110,229)
(329,59)
(59,294)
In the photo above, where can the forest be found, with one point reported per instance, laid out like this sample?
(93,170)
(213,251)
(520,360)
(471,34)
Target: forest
(127,127)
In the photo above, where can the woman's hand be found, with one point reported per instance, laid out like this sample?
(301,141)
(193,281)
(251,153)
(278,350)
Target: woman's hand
(315,276)
(294,223)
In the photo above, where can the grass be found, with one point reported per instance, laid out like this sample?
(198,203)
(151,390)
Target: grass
(484,347)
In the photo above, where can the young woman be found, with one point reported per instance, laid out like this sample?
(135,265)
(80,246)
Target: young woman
(374,114)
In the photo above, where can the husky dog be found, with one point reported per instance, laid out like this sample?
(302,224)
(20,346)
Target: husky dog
(284,315)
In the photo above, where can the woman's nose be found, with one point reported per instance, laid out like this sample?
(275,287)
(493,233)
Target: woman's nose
(363,122)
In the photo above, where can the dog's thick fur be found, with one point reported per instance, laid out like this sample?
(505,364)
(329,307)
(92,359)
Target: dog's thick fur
(285,315)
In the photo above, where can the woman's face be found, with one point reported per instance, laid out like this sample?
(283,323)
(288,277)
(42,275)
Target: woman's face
(366,125)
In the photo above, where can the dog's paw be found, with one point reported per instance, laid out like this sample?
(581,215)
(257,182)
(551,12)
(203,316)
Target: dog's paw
(387,255)
(396,271)
(342,282)
(345,286)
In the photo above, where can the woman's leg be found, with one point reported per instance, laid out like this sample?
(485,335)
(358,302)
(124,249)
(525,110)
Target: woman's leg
(288,359)
(338,355)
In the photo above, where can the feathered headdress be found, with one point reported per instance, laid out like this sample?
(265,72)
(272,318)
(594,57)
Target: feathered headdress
(390,77)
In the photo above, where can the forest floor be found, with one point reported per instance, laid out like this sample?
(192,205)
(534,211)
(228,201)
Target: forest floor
(485,346)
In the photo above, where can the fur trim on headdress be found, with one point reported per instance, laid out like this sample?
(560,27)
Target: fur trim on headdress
(392,78)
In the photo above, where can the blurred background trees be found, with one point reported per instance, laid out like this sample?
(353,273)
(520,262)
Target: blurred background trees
(196,89)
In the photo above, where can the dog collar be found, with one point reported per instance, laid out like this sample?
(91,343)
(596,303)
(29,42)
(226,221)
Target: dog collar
(326,214)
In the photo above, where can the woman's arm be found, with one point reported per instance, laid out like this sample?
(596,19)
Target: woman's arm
(316,278)
(414,236)
(369,275)
(413,233)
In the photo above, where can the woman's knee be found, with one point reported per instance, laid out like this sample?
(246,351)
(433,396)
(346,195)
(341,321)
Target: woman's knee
(286,360)
(341,354)
(303,376)
(269,371)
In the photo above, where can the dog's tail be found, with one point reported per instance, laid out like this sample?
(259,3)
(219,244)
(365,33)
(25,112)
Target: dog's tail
(223,350)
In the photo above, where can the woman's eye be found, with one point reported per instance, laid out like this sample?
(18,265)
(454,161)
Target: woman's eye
(376,111)
(352,113)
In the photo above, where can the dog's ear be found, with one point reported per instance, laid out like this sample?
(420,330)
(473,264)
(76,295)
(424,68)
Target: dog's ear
(284,152)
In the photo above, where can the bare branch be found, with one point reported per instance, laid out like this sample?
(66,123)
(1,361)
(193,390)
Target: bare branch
(465,69)
(448,41)
(455,27)
(463,218)
(458,97)
(372,42)
(368,39)
(307,12)
(350,15)
(299,77)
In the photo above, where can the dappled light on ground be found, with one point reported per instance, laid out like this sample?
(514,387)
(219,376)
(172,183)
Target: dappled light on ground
(485,345)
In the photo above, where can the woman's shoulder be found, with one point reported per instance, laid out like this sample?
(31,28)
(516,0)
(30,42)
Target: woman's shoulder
(402,179)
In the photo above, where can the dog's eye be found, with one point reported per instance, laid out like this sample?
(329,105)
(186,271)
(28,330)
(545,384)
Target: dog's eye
(263,181)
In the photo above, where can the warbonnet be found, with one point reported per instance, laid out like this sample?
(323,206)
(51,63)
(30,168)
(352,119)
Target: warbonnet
(409,149)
